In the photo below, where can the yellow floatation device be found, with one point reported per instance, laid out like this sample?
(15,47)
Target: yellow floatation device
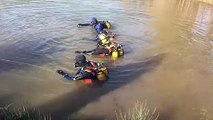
(108,24)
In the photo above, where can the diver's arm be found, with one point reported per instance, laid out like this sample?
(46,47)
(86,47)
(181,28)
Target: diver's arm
(85,24)
(68,77)
(100,50)
(65,75)
(77,77)
(81,75)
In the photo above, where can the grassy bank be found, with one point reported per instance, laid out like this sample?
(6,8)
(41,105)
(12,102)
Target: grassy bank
(24,113)
(139,112)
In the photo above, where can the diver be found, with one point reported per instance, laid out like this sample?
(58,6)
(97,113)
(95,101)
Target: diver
(105,37)
(106,49)
(98,25)
(89,71)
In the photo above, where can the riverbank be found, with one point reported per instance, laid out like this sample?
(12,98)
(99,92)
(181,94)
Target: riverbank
(206,1)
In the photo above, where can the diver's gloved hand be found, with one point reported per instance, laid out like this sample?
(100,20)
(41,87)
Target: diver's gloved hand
(84,52)
(74,78)
(61,72)
(77,51)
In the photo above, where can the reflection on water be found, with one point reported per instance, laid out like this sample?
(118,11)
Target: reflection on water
(168,62)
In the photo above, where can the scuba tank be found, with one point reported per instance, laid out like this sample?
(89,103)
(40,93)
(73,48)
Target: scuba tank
(105,70)
(120,51)
(102,72)
(101,76)
(115,53)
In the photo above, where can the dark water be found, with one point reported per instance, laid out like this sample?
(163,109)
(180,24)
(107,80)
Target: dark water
(168,60)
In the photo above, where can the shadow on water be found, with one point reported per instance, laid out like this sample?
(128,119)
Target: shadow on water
(72,102)
(168,114)
(7,99)
(32,53)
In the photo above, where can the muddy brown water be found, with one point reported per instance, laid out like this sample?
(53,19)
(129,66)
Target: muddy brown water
(168,61)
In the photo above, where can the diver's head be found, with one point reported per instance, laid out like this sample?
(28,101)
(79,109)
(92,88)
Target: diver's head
(80,61)
(94,21)
(108,24)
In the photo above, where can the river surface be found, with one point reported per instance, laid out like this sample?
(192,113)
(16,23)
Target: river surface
(168,61)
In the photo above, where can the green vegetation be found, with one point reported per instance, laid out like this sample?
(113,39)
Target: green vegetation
(23,113)
(139,112)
